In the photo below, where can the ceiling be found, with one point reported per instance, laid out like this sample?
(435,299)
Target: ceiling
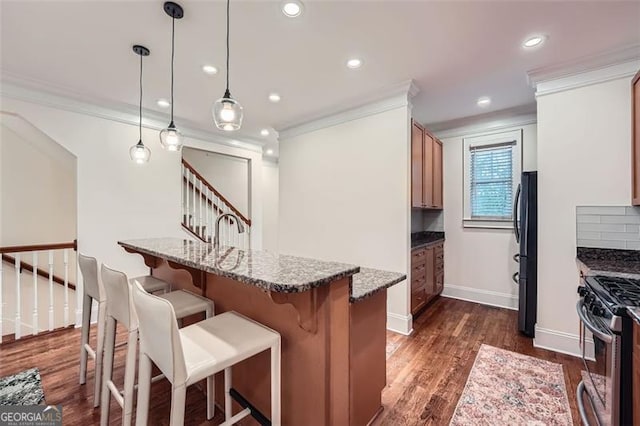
(455,51)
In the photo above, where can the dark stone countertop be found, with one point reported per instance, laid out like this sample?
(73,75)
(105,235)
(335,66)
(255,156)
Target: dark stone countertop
(269,271)
(610,262)
(369,281)
(426,238)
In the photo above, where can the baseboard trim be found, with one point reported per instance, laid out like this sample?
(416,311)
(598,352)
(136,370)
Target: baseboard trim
(400,323)
(484,297)
(559,341)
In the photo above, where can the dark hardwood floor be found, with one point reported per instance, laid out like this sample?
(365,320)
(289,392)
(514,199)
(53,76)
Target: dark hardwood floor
(426,372)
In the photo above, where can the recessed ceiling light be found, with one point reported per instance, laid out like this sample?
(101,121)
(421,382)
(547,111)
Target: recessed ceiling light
(354,63)
(274,97)
(163,103)
(534,41)
(484,101)
(209,69)
(264,132)
(269,151)
(292,8)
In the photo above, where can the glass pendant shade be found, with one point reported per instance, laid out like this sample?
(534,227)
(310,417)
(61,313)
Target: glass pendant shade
(171,138)
(227,114)
(140,153)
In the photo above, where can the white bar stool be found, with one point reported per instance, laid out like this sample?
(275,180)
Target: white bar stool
(92,290)
(120,308)
(200,350)
(152,284)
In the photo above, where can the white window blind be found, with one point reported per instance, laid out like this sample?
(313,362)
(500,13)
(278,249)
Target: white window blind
(491,180)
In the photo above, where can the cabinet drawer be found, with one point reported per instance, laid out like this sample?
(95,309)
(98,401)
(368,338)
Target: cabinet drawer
(439,283)
(418,299)
(417,283)
(417,256)
(418,270)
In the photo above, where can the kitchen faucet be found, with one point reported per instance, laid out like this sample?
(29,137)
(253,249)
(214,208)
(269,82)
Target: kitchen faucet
(216,238)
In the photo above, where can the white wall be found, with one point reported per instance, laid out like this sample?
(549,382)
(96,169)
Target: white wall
(116,198)
(38,189)
(270,181)
(344,196)
(478,262)
(584,142)
(229,175)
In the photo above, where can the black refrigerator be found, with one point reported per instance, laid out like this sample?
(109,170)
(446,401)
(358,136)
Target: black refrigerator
(525,227)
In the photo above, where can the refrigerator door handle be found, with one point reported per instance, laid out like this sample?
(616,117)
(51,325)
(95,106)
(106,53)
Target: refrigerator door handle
(516,231)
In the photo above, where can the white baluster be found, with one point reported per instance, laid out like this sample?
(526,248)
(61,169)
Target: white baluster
(66,291)
(206,214)
(51,290)
(200,223)
(182,192)
(35,292)
(195,182)
(17,325)
(186,217)
(1,289)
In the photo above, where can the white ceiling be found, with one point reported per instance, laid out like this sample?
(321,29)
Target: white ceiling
(455,51)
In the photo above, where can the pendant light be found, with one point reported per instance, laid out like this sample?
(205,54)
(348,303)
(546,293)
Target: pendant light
(140,153)
(227,112)
(171,137)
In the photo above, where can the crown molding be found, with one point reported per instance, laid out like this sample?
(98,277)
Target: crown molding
(483,123)
(387,99)
(41,93)
(618,63)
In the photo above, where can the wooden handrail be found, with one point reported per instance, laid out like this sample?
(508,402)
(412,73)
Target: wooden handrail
(40,272)
(219,195)
(39,247)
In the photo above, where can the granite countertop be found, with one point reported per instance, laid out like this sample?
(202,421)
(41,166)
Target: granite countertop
(269,271)
(370,281)
(610,262)
(426,238)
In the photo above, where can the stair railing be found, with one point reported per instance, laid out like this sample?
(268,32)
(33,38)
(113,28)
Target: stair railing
(29,258)
(202,204)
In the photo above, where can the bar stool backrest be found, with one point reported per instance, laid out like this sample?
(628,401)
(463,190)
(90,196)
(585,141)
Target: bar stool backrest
(159,335)
(91,283)
(119,302)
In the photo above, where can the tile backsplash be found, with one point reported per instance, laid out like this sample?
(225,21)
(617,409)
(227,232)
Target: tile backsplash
(613,227)
(427,220)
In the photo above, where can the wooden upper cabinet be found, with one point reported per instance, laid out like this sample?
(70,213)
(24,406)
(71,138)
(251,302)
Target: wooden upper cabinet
(437,174)
(417,167)
(635,144)
(426,169)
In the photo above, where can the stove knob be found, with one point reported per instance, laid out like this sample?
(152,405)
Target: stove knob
(582,291)
(588,298)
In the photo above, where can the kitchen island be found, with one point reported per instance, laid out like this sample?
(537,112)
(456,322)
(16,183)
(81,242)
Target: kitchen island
(332,321)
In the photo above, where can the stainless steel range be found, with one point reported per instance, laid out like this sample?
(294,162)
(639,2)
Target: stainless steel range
(606,385)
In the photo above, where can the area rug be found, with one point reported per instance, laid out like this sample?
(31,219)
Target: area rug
(24,388)
(507,388)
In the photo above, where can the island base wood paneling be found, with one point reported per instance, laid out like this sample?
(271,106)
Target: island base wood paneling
(333,351)
(635,140)
(636,373)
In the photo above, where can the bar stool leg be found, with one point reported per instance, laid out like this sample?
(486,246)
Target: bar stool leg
(86,319)
(110,343)
(178,401)
(144,390)
(102,309)
(227,395)
(211,398)
(275,385)
(129,377)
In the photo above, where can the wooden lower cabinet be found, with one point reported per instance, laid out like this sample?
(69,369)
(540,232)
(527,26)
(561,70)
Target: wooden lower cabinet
(636,373)
(427,275)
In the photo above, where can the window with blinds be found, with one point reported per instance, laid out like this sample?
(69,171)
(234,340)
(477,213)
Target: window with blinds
(491,181)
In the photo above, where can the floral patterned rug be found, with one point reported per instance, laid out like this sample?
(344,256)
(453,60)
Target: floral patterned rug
(507,388)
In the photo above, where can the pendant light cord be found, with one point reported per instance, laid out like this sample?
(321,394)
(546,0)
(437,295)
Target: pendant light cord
(173,32)
(228,1)
(140,103)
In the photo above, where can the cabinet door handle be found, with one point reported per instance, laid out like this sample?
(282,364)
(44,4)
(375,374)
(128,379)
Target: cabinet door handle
(515,278)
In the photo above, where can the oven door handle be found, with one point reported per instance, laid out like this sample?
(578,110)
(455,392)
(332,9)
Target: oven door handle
(583,412)
(607,338)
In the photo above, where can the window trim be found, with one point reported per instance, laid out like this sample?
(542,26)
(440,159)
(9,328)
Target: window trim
(486,140)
